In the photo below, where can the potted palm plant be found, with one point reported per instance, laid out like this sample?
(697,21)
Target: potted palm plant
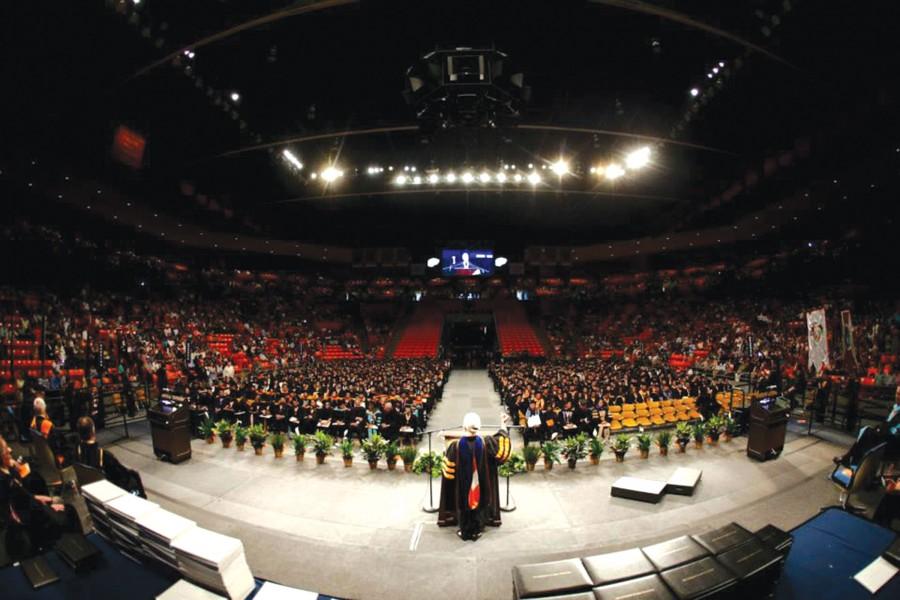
(226,432)
(551,451)
(346,447)
(300,442)
(257,438)
(698,430)
(644,441)
(732,428)
(429,462)
(531,454)
(714,426)
(277,440)
(408,454)
(595,449)
(575,448)
(241,434)
(390,454)
(322,443)
(663,441)
(683,435)
(620,445)
(373,448)
(208,431)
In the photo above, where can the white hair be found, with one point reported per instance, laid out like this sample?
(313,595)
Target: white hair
(471,422)
(39,404)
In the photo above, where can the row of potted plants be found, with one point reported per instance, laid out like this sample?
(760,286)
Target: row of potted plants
(577,447)
(320,443)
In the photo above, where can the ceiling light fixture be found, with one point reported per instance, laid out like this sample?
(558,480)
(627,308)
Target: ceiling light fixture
(468,178)
(560,167)
(331,173)
(534,178)
(614,171)
(289,156)
(638,158)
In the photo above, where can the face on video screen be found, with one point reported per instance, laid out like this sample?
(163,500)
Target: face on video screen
(467,263)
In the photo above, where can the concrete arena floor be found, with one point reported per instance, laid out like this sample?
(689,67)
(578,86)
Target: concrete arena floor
(356,533)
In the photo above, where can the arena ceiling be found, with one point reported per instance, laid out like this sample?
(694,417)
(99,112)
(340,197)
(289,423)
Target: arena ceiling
(220,88)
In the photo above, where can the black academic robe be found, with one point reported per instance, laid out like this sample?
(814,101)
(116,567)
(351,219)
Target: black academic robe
(457,477)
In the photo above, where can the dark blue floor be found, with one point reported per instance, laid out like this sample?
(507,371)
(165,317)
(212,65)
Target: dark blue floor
(828,551)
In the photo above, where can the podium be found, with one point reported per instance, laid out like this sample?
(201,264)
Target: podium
(768,425)
(170,429)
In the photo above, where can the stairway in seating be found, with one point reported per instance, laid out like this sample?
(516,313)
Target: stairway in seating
(422,336)
(515,333)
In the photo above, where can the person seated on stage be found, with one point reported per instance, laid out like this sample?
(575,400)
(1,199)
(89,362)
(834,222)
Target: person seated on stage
(41,422)
(869,437)
(357,426)
(409,425)
(533,423)
(35,519)
(390,422)
(373,419)
(568,425)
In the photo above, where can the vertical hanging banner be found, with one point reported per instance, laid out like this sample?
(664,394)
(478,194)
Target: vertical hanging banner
(818,339)
(848,347)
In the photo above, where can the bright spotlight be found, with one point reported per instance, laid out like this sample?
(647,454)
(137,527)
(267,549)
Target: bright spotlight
(716,70)
(639,158)
(560,167)
(235,97)
(468,178)
(450,178)
(614,171)
(433,262)
(331,173)
(417,180)
(517,178)
(485,177)
(721,63)
(289,156)
(695,92)
(534,178)
(400,179)
(598,170)
(433,178)
(500,261)
(501,177)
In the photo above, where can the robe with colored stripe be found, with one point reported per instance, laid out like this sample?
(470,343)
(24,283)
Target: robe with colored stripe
(470,476)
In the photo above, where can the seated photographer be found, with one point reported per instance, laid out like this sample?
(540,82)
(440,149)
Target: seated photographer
(33,520)
(869,437)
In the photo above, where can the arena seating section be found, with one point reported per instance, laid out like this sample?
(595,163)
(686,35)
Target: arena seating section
(422,336)
(515,333)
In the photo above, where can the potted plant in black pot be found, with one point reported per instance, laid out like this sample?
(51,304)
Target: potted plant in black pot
(390,454)
(531,454)
(698,430)
(429,462)
(732,428)
(373,448)
(644,442)
(208,431)
(346,447)
(300,441)
(277,440)
(683,435)
(621,444)
(241,434)
(551,450)
(595,450)
(663,441)
(321,444)
(257,438)
(408,454)
(575,448)
(714,426)
(225,430)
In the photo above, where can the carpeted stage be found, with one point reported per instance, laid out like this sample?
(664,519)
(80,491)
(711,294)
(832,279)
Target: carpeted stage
(355,533)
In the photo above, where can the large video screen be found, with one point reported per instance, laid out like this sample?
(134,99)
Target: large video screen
(467,263)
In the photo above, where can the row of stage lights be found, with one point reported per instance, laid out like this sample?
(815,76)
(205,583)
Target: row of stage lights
(612,171)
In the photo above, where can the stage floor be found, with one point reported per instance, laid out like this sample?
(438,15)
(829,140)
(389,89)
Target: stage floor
(356,533)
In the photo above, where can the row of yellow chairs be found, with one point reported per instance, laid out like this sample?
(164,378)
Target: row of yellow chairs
(651,413)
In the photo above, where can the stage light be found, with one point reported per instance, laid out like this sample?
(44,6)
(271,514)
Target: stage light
(695,92)
(450,177)
(331,173)
(638,158)
(501,177)
(517,178)
(485,177)
(289,156)
(560,167)
(534,178)
(598,170)
(400,180)
(433,178)
(500,261)
(614,171)
(417,180)
(433,262)
(716,70)
(721,63)
(468,178)
(235,97)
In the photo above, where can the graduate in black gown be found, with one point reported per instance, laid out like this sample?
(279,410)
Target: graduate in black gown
(469,487)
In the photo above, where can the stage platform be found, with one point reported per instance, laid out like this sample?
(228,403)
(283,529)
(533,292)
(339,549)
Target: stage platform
(356,533)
